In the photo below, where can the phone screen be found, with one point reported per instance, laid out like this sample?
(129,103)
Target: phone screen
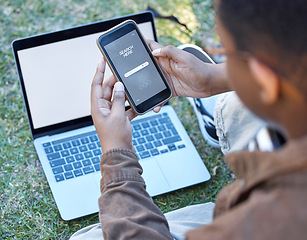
(135,67)
(130,59)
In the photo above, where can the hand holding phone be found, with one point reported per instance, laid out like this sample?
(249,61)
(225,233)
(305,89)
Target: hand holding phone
(110,118)
(132,63)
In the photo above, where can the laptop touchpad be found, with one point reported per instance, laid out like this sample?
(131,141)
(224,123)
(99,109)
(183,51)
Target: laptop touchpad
(155,180)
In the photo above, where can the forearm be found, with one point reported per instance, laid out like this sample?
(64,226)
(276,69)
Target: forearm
(126,211)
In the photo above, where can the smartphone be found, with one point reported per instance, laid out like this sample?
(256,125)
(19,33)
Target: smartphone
(132,63)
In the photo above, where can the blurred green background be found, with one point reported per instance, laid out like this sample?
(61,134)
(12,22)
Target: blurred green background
(28,210)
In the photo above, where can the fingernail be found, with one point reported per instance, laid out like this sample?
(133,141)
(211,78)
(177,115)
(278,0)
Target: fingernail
(118,87)
(156,51)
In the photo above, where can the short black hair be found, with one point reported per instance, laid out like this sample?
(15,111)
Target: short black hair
(275,27)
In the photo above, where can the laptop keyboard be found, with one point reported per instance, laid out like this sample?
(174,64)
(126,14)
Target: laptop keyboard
(80,155)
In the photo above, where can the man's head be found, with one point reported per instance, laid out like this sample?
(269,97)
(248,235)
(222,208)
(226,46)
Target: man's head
(265,41)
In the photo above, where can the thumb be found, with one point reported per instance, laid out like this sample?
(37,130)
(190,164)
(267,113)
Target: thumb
(118,105)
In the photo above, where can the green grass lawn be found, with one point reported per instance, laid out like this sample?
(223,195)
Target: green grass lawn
(28,210)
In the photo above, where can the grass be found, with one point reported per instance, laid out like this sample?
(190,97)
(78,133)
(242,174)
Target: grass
(28,210)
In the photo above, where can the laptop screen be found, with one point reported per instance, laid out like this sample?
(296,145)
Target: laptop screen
(57,77)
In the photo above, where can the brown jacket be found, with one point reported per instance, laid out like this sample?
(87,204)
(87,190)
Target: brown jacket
(267,201)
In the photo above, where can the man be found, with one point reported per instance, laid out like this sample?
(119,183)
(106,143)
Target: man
(265,44)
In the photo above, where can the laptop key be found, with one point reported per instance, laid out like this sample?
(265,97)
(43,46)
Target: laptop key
(149,146)
(158,143)
(181,146)
(78,172)
(145,125)
(75,143)
(95,160)
(154,122)
(141,140)
(97,167)
(150,138)
(92,146)
(169,125)
(153,130)
(68,167)
(136,134)
(88,154)
(174,131)
(53,156)
(65,153)
(144,132)
(68,175)
(167,134)
(59,177)
(86,162)
(84,140)
(161,128)
(79,157)
(140,148)
(83,148)
(88,170)
(48,150)
(164,120)
(58,162)
(58,148)
(77,165)
(164,151)
(66,145)
(74,150)
(70,159)
(97,152)
(154,152)
(136,127)
(145,154)
(172,147)
(57,170)
(158,136)
(170,140)
(46,144)
(134,142)
(93,138)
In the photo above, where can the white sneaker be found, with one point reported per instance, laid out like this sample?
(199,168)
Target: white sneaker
(204,113)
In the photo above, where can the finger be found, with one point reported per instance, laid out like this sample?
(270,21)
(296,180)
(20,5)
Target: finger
(153,45)
(96,88)
(118,105)
(100,70)
(131,114)
(170,52)
(157,109)
(108,86)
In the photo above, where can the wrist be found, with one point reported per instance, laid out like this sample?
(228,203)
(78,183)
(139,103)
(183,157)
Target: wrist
(216,80)
(107,147)
(120,150)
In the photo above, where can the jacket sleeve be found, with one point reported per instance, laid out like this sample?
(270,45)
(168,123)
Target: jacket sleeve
(266,215)
(126,211)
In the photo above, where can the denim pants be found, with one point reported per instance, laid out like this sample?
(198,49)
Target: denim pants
(235,126)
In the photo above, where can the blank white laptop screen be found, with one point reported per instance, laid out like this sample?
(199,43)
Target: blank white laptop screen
(57,77)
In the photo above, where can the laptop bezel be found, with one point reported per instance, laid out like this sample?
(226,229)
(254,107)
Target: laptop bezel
(61,35)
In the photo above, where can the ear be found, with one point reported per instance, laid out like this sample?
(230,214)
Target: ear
(267,80)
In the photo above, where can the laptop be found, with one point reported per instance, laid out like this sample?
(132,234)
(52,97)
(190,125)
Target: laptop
(55,71)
